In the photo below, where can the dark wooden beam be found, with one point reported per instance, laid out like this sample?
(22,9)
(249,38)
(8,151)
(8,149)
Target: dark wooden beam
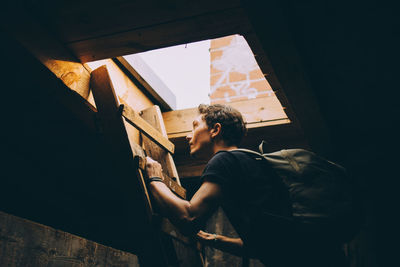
(53,247)
(277,43)
(22,25)
(187,30)
(74,21)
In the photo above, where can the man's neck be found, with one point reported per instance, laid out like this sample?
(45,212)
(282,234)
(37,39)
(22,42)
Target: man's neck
(223,146)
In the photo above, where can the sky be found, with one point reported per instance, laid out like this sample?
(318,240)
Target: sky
(185,70)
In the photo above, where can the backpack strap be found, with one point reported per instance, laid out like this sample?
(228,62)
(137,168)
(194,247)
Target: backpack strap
(261,147)
(260,155)
(248,151)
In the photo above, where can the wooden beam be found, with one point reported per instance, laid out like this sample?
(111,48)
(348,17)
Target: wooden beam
(133,117)
(174,186)
(46,48)
(145,86)
(154,117)
(256,112)
(89,19)
(115,132)
(113,127)
(19,236)
(269,73)
(191,170)
(187,30)
(168,181)
(125,87)
(278,45)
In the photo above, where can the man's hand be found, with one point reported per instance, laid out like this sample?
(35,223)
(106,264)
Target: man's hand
(153,168)
(205,237)
(221,242)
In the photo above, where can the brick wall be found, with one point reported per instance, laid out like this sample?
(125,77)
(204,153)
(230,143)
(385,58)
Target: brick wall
(234,74)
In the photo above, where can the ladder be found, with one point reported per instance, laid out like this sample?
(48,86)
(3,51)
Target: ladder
(166,246)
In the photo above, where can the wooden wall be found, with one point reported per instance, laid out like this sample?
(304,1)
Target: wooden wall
(26,243)
(58,171)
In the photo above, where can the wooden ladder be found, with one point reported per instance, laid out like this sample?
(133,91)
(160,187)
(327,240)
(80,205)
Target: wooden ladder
(115,114)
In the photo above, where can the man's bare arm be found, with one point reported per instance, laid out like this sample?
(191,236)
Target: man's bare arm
(224,243)
(185,214)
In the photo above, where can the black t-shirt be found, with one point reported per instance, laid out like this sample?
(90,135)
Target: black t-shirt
(251,196)
(256,202)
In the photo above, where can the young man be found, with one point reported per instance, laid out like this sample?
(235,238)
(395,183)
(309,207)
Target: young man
(250,194)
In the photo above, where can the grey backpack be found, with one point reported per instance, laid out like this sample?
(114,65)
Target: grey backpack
(322,195)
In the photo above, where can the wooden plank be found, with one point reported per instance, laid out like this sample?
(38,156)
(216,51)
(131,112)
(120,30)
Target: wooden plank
(269,73)
(253,125)
(174,186)
(113,125)
(92,18)
(154,116)
(263,109)
(168,181)
(114,129)
(146,86)
(125,87)
(115,135)
(25,243)
(192,29)
(148,130)
(149,206)
(191,170)
(48,50)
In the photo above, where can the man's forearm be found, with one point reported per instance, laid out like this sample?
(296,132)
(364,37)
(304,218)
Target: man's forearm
(224,243)
(229,244)
(174,208)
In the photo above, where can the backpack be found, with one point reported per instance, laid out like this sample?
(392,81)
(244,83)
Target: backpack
(322,194)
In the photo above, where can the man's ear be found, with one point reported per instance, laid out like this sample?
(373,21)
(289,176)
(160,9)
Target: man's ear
(216,130)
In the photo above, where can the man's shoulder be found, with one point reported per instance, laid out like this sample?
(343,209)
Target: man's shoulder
(228,156)
(222,157)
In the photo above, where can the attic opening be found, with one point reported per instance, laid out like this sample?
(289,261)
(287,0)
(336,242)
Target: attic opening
(222,70)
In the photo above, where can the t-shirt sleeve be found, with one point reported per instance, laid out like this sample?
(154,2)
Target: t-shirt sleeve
(220,169)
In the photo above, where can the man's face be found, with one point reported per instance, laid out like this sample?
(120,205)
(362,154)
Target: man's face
(199,139)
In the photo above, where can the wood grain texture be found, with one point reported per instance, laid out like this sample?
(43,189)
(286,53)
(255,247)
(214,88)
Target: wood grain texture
(259,110)
(115,133)
(125,88)
(50,51)
(81,20)
(152,78)
(187,30)
(154,116)
(113,128)
(107,105)
(146,128)
(25,243)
